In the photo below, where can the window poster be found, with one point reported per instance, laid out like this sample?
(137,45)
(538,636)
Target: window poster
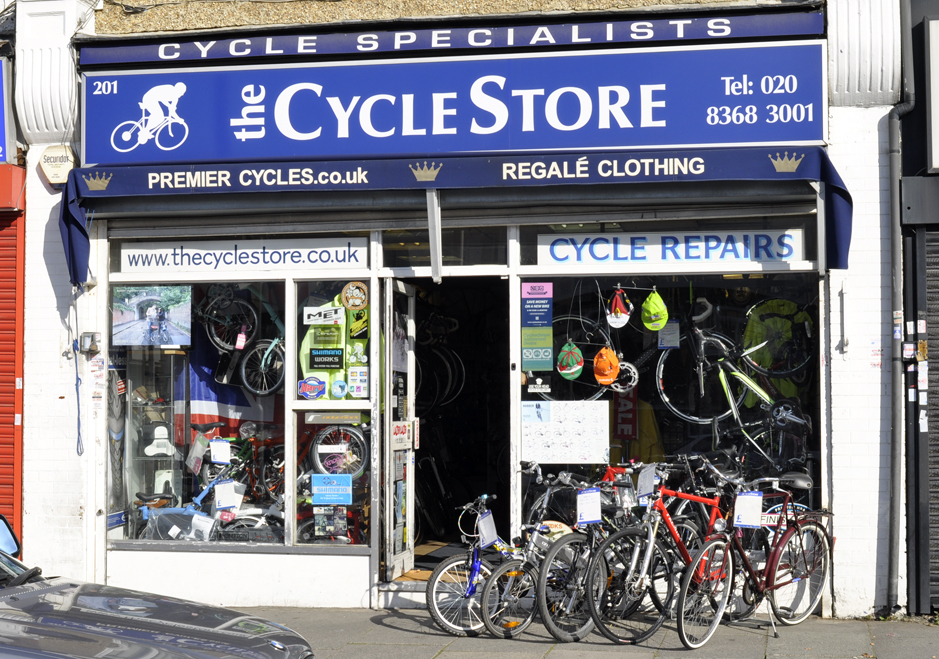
(566,432)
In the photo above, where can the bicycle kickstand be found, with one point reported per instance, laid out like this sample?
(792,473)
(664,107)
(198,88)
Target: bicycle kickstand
(772,618)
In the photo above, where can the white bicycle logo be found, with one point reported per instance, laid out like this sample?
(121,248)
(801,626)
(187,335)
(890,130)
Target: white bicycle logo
(127,136)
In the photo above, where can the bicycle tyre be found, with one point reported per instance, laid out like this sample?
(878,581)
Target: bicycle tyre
(223,325)
(618,613)
(459,375)
(705,588)
(680,391)
(272,471)
(590,337)
(789,346)
(743,601)
(345,449)
(168,128)
(258,377)
(510,599)
(446,597)
(120,129)
(561,581)
(802,566)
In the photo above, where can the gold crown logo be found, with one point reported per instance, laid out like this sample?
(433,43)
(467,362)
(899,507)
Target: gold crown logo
(787,164)
(425,173)
(97,181)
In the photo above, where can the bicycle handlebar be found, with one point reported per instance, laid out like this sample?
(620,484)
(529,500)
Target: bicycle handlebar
(532,468)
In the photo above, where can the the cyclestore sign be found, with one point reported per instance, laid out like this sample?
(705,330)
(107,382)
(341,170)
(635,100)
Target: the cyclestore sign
(678,96)
(240,255)
(722,248)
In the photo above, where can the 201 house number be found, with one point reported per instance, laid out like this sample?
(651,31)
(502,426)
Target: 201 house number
(104,87)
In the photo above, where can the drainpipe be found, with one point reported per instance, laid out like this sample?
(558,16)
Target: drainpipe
(896,271)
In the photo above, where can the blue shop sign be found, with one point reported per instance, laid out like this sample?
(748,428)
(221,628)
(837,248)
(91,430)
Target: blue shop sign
(331,489)
(653,98)
(481,38)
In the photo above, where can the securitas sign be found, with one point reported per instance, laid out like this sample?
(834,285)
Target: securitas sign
(710,95)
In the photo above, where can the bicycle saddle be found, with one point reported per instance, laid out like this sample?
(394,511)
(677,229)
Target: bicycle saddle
(155,496)
(206,427)
(796,480)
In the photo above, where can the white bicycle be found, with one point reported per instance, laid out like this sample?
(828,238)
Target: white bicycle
(168,134)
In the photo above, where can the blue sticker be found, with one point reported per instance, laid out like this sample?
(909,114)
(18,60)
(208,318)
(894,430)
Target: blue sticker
(311,388)
(339,389)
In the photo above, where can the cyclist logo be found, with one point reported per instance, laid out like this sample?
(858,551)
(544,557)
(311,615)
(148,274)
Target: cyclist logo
(167,129)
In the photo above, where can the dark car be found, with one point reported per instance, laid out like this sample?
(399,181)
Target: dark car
(58,617)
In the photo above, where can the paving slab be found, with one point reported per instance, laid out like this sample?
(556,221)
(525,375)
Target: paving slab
(412,634)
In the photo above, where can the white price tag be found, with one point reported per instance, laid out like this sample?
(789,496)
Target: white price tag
(748,510)
(487,530)
(646,485)
(226,497)
(588,505)
(221,451)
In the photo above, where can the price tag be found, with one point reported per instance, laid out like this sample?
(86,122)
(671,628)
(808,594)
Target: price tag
(487,530)
(226,497)
(221,451)
(748,510)
(646,485)
(240,342)
(588,505)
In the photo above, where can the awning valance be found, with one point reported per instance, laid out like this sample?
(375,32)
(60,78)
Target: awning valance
(514,170)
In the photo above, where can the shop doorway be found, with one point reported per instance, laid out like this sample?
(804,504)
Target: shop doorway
(462,399)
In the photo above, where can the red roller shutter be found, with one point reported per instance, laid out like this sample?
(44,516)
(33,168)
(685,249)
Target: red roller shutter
(12,242)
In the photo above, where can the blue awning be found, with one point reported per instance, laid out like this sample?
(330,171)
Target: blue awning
(516,170)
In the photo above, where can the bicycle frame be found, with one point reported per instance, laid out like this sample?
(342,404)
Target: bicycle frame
(657,505)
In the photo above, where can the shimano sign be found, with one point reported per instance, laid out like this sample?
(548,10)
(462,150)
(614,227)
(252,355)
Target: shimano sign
(710,95)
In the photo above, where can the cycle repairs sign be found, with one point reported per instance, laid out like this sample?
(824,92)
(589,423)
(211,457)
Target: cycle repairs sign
(331,489)
(201,257)
(721,249)
(724,94)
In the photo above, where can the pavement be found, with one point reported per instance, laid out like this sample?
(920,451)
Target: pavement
(412,634)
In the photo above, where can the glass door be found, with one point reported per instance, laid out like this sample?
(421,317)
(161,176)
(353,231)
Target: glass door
(400,426)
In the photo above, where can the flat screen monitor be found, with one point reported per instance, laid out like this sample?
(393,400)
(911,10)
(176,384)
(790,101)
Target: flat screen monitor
(147,315)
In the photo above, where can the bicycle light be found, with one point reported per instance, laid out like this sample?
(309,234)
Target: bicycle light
(720,524)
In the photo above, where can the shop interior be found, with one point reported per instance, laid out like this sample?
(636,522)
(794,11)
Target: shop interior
(462,401)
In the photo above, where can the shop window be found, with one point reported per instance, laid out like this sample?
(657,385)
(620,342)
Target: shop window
(471,246)
(334,326)
(333,496)
(610,372)
(195,412)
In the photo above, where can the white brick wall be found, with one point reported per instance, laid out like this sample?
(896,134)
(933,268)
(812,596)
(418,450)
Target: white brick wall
(55,478)
(860,392)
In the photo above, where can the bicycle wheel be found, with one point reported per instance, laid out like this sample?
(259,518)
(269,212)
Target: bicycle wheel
(744,600)
(339,450)
(704,590)
(452,609)
(589,337)
(272,471)
(800,572)
(224,320)
(561,582)
(126,136)
(683,392)
(781,332)
(167,139)
(627,606)
(262,367)
(509,599)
